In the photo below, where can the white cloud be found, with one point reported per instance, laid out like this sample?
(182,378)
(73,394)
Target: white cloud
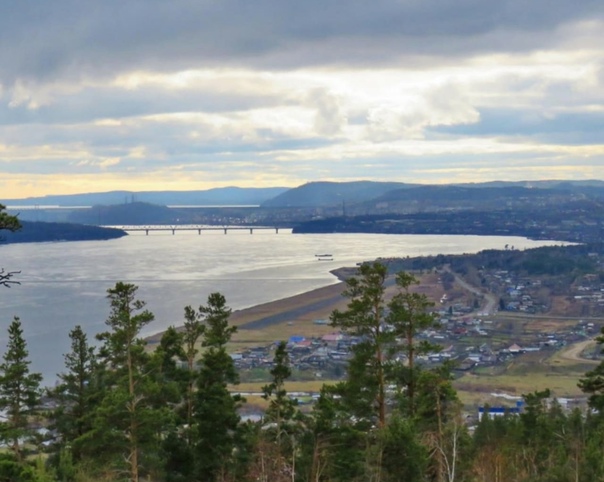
(187,94)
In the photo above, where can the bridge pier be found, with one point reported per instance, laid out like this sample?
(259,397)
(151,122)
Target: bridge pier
(199,231)
(225,230)
(147,232)
(276,230)
(251,231)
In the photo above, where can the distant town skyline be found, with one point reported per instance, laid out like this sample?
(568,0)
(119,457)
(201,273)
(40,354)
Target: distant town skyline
(143,95)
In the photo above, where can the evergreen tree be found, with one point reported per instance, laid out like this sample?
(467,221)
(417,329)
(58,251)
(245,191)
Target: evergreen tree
(281,407)
(215,409)
(76,392)
(127,425)
(364,318)
(340,443)
(169,376)
(19,391)
(403,458)
(593,383)
(193,330)
(408,315)
(279,426)
(8,223)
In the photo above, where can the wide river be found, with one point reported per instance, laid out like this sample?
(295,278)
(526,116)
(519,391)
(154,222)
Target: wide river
(64,284)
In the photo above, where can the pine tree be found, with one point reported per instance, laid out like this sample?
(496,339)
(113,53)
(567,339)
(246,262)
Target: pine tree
(127,424)
(281,407)
(593,383)
(340,442)
(364,318)
(77,394)
(8,223)
(215,410)
(279,427)
(193,330)
(408,315)
(19,390)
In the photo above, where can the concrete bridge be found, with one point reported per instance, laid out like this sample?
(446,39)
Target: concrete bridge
(194,227)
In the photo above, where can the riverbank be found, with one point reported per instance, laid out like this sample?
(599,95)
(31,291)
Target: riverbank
(42,232)
(305,313)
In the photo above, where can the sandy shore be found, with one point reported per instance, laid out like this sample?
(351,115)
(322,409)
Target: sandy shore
(298,314)
(311,305)
(318,304)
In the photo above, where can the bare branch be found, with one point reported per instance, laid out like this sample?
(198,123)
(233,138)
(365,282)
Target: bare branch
(5,278)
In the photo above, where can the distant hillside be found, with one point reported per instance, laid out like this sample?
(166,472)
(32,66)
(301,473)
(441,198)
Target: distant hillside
(36,232)
(325,194)
(365,196)
(543,184)
(210,197)
(467,195)
(124,214)
(476,197)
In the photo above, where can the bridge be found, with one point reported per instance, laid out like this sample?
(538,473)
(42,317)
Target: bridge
(194,227)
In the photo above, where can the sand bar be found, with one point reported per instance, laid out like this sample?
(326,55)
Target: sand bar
(305,307)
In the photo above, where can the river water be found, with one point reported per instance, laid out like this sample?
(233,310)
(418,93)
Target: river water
(64,284)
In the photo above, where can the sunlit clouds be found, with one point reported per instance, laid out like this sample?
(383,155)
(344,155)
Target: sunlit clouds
(459,101)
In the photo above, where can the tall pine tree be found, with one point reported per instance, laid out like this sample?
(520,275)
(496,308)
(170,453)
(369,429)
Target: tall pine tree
(77,394)
(19,391)
(215,410)
(364,318)
(127,425)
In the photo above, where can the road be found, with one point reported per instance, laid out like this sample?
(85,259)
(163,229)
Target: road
(573,352)
(490,305)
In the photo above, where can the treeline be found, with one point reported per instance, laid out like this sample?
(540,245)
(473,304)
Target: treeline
(573,260)
(578,221)
(37,232)
(123,412)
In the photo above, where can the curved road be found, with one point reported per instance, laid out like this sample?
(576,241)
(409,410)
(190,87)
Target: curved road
(574,351)
(491,300)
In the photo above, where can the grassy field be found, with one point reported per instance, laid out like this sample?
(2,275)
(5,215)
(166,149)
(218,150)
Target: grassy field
(560,385)
(527,373)
(282,331)
(290,386)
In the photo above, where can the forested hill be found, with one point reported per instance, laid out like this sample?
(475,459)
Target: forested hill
(332,193)
(35,232)
(217,196)
(579,221)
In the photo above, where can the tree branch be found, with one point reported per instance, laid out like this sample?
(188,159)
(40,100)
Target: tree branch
(5,278)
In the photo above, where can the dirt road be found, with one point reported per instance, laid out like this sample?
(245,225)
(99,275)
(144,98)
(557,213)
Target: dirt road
(573,352)
(490,300)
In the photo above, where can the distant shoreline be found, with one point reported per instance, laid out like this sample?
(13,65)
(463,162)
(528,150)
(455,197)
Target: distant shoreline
(42,232)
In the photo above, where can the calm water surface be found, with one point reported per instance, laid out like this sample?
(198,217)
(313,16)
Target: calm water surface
(64,284)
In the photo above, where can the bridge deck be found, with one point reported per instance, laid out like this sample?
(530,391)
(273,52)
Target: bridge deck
(191,227)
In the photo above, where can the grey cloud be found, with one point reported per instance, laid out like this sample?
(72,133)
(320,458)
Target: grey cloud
(572,128)
(98,37)
(91,104)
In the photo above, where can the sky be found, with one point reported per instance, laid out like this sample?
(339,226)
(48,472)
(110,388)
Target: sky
(195,94)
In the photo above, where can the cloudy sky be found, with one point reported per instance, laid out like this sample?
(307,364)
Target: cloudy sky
(194,94)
